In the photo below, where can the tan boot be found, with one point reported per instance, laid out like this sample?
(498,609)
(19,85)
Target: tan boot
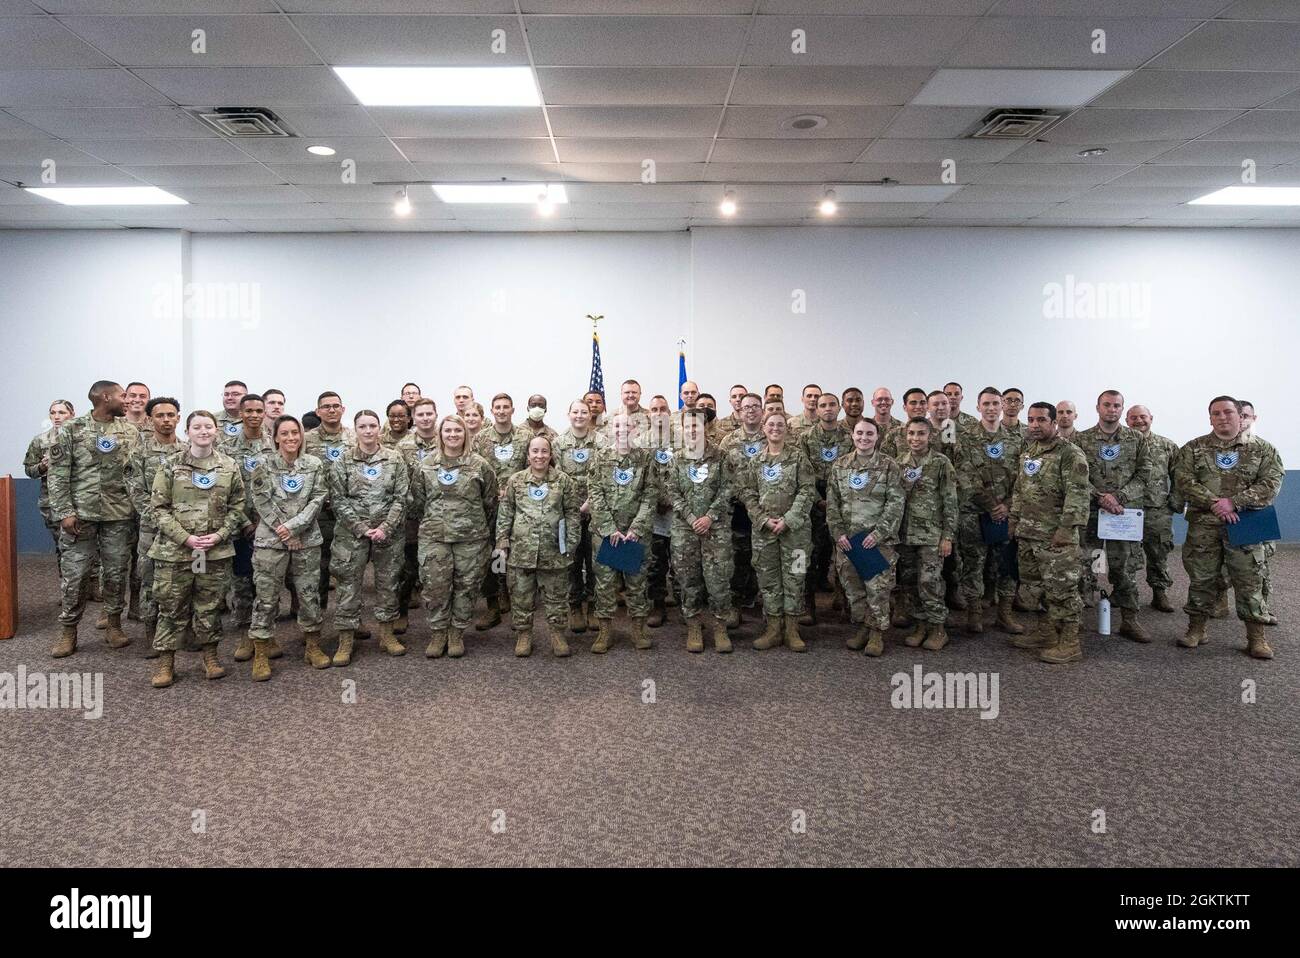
(1130,627)
(524,643)
(490,616)
(721,641)
(1160,601)
(455,643)
(261,663)
(101,623)
(771,636)
(975,616)
(437,644)
(387,641)
(733,618)
(577,621)
(1256,645)
(313,654)
(640,637)
(1221,607)
(401,625)
(343,654)
(875,643)
(935,638)
(793,640)
(150,632)
(211,664)
(1007,621)
(559,648)
(243,648)
(273,650)
(164,672)
(858,641)
(1043,635)
(115,637)
(916,636)
(1068,647)
(694,635)
(67,643)
(1195,632)
(900,619)
(604,636)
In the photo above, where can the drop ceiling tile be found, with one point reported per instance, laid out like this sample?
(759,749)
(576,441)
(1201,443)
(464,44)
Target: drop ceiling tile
(72,225)
(1260,125)
(29,42)
(1224,153)
(440,121)
(1198,89)
(455,172)
(192,226)
(1095,212)
(19,8)
(596,121)
(985,211)
(1192,9)
(627,211)
(631,150)
(159,152)
(35,151)
(157,6)
(641,193)
(350,194)
(1151,175)
(855,41)
(424,206)
(68,175)
(413,41)
(629,226)
(233,209)
(469,150)
(636,41)
(1000,193)
(240,174)
(829,85)
(392,224)
(1262,10)
(50,212)
(967,171)
(1189,224)
(1227,44)
(75,88)
(12,128)
(1066,43)
(218,86)
(1091,127)
(294,150)
(879,8)
(631,172)
(1043,174)
(935,151)
(268,196)
(1137,196)
(328,172)
(634,86)
(167,41)
(788,151)
(1117,154)
(294,226)
(124,123)
(991,88)
(749,122)
(328,121)
(934,122)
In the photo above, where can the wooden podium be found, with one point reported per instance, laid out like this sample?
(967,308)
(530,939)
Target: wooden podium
(8,559)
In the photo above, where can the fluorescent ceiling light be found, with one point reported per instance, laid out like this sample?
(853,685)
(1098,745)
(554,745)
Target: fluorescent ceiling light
(871,193)
(499,192)
(107,195)
(321,150)
(1250,196)
(1024,88)
(441,86)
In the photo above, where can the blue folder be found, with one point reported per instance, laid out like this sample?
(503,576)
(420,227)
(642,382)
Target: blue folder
(1254,526)
(626,557)
(992,531)
(868,562)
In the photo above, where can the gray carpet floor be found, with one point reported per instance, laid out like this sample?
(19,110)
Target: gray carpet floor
(492,760)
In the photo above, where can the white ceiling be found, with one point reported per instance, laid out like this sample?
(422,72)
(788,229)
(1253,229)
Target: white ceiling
(702,87)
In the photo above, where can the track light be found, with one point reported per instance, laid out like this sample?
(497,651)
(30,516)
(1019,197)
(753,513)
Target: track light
(545,205)
(728,205)
(828,206)
(403,205)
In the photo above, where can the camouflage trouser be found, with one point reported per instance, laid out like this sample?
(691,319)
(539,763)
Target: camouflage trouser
(1046,570)
(1157,543)
(781,563)
(110,542)
(135,577)
(452,574)
(494,583)
(744,583)
(242,589)
(582,576)
(634,590)
(1205,552)
(189,599)
(819,569)
(326,523)
(148,604)
(868,601)
(703,564)
(348,561)
(657,584)
(269,567)
(524,584)
(977,556)
(1123,566)
(920,574)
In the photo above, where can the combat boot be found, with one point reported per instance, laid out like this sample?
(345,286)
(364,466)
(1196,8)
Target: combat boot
(313,654)
(67,643)
(455,643)
(793,640)
(402,623)
(694,635)
(261,664)
(875,643)
(437,644)
(101,623)
(115,637)
(524,643)
(640,638)
(273,650)
(243,648)
(1007,621)
(975,617)
(1130,627)
(1195,632)
(490,616)
(150,632)
(858,641)
(1043,635)
(733,618)
(604,636)
(577,619)
(1160,601)
(211,664)
(916,636)
(1256,645)
(1067,649)
(935,638)
(657,614)
(1221,608)
(387,641)
(343,654)
(721,641)
(164,672)
(771,637)
(559,648)
(361,631)
(900,619)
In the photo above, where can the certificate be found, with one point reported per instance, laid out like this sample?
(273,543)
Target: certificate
(1123,528)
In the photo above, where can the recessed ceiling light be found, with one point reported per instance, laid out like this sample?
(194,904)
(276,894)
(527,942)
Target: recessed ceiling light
(1250,196)
(1020,87)
(500,192)
(805,122)
(1095,151)
(321,150)
(108,195)
(441,86)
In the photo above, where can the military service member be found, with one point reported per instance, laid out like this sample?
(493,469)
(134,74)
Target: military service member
(1066,413)
(596,403)
(926,534)
(534,423)
(854,403)
(36,462)
(1013,400)
(229,421)
(731,422)
(1161,503)
(915,404)
(247,448)
(823,444)
(505,447)
(662,439)
(808,417)
(398,415)
(738,449)
(575,455)
(964,420)
(137,397)
(420,442)
(329,443)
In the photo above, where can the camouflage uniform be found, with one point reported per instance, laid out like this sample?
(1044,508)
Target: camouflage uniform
(193,497)
(865,494)
(929,517)
(390,441)
(247,453)
(1162,504)
(771,487)
(328,447)
(823,447)
(140,471)
(702,563)
(738,449)
(506,453)
(367,492)
(799,423)
(542,430)
(1117,464)
(660,546)
(228,426)
(1051,493)
(37,450)
(414,448)
(986,467)
(87,479)
(1249,472)
(455,499)
(528,525)
(624,493)
(291,496)
(575,458)
(1016,429)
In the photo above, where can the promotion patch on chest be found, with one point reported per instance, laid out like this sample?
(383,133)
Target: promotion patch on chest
(772,472)
(538,493)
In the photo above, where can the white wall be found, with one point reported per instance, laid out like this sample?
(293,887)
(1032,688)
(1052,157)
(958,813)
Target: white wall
(364,313)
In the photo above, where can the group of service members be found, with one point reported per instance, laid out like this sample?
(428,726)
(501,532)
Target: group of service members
(756,508)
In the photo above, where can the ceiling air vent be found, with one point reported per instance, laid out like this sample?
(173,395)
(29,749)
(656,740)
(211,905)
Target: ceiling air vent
(1015,125)
(242,121)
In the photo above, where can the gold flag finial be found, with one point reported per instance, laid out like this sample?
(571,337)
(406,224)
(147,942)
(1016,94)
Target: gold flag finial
(594,319)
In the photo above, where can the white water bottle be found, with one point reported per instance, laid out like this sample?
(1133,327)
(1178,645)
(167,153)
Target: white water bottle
(1103,616)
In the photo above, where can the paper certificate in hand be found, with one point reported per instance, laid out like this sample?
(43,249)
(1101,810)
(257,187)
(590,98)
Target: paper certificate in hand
(1122,528)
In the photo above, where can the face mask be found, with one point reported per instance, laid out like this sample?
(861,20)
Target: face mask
(535,413)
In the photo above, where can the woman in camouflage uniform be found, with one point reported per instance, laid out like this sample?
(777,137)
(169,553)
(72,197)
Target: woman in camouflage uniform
(37,461)
(575,453)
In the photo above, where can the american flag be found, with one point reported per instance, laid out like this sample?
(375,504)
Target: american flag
(597,377)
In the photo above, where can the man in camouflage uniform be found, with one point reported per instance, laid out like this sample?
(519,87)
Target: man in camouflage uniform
(927,532)
(964,420)
(1161,503)
(916,405)
(1066,413)
(273,402)
(1248,419)
(662,439)
(1119,471)
(808,417)
(882,401)
(534,422)
(1218,475)
(419,443)
(575,455)
(823,443)
(328,442)
(1049,506)
(854,403)
(741,446)
(36,462)
(90,501)
(724,426)
(137,397)
(943,439)
(230,420)
(247,448)
(505,446)
(1013,400)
